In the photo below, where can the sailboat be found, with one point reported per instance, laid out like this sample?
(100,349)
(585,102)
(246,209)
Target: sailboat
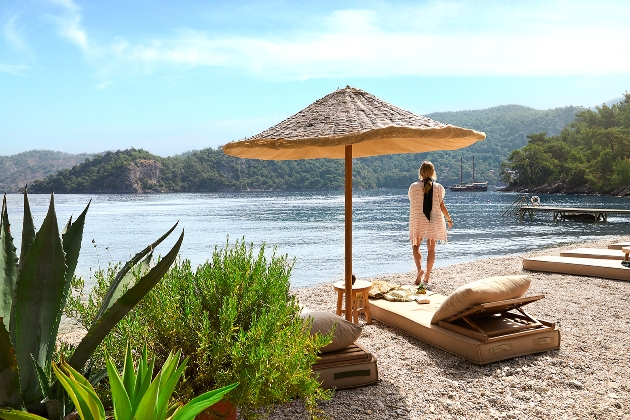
(474,186)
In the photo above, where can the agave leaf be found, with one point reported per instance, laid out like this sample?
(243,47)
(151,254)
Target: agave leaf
(114,286)
(10,393)
(81,392)
(172,409)
(147,407)
(142,372)
(9,414)
(42,379)
(167,390)
(28,229)
(170,378)
(121,307)
(129,375)
(28,237)
(72,237)
(37,307)
(143,386)
(8,266)
(97,377)
(128,280)
(66,405)
(170,367)
(120,397)
(197,405)
(71,240)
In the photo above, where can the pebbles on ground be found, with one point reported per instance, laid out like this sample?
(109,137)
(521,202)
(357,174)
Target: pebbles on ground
(587,378)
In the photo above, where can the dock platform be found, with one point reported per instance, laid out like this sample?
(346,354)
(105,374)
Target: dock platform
(572,213)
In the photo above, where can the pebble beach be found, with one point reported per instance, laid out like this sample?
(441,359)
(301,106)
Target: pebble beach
(587,378)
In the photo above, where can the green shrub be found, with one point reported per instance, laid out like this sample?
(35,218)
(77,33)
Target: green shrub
(236,320)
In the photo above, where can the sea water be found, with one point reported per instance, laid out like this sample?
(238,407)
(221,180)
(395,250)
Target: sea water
(309,227)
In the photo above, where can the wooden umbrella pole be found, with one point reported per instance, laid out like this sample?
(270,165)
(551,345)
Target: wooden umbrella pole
(348,233)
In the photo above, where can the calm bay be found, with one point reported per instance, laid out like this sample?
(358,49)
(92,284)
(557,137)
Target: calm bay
(309,226)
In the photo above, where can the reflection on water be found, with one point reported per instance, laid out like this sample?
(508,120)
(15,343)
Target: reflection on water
(310,227)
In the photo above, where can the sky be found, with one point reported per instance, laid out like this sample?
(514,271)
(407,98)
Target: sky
(83,76)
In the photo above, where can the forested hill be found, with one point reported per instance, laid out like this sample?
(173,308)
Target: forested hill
(24,168)
(135,170)
(591,155)
(506,129)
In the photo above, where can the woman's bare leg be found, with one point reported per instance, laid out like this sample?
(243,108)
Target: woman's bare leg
(430,258)
(417,257)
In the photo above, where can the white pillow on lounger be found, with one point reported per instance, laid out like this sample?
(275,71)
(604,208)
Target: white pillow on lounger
(345,334)
(491,289)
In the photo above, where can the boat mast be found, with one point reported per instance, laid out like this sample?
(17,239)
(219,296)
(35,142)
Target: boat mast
(461,170)
(473,169)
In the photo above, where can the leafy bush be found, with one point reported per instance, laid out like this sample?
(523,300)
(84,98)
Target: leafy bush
(234,318)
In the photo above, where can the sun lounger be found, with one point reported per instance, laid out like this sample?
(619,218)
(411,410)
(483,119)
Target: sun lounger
(484,333)
(619,245)
(346,368)
(592,267)
(607,254)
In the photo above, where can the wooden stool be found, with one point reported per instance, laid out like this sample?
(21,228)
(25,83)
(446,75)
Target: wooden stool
(360,288)
(625,250)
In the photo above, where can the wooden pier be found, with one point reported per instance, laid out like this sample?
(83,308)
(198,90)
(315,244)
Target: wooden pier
(572,213)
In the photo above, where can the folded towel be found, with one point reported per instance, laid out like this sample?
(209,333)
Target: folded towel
(380,287)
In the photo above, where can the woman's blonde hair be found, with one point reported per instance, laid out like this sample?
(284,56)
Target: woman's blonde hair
(427,173)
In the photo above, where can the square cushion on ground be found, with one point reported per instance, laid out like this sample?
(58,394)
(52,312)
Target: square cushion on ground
(345,333)
(350,367)
(415,319)
(491,289)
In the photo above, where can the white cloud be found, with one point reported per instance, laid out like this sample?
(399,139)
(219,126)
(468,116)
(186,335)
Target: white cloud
(456,38)
(104,85)
(16,70)
(15,40)
(69,24)
(13,36)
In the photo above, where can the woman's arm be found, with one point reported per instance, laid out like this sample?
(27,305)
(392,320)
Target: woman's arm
(445,213)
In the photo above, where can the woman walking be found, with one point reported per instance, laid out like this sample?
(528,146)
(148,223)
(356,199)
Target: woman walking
(426,218)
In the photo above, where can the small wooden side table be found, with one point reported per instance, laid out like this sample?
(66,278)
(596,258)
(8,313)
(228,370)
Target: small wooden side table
(360,288)
(625,250)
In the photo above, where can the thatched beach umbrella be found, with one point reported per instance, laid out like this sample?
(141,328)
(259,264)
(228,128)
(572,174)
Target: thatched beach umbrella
(346,124)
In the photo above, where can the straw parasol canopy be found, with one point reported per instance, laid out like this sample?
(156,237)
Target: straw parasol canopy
(347,124)
(354,117)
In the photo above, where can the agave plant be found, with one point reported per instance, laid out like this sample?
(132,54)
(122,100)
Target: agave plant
(33,292)
(134,394)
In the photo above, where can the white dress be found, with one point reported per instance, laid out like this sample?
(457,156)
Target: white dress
(419,225)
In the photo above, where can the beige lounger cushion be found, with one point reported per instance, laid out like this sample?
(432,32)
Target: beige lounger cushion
(345,333)
(491,289)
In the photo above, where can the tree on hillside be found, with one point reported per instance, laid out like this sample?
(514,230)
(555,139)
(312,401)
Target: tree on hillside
(592,151)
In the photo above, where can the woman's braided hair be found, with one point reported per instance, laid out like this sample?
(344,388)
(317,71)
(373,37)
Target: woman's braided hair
(427,173)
